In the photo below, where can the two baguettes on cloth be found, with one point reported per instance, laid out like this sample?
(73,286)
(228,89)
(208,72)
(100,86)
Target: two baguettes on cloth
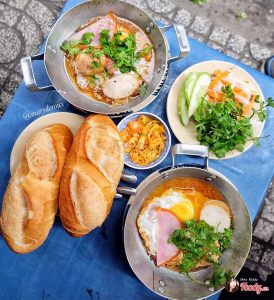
(91,173)
(83,172)
(31,199)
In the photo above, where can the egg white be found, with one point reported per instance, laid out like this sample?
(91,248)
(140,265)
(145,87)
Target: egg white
(147,219)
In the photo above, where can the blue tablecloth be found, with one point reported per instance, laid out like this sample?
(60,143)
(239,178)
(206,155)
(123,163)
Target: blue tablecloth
(95,266)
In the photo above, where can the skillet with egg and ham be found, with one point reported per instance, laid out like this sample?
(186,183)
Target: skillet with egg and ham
(166,210)
(109,59)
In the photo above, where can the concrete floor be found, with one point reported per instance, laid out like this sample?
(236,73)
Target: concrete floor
(257,28)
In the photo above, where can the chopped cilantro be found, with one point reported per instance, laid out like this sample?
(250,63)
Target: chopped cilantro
(93,78)
(87,38)
(98,53)
(199,241)
(143,90)
(219,276)
(121,51)
(89,50)
(144,52)
(95,64)
(228,93)
(72,47)
(222,127)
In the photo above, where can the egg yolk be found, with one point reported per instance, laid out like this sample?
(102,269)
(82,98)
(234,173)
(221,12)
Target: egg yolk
(183,210)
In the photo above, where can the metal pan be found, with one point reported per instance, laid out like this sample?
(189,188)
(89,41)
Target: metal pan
(54,57)
(165,282)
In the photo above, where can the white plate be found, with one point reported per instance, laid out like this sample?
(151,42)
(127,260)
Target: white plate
(187,134)
(73,121)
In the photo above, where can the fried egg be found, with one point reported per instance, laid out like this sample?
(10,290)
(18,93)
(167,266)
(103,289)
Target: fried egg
(174,199)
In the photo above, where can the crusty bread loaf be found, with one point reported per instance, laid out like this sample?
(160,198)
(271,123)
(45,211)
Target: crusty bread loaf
(31,199)
(90,176)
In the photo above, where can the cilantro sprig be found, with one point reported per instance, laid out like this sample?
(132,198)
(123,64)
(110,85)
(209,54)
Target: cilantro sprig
(200,241)
(261,112)
(120,49)
(219,277)
(144,52)
(143,90)
(222,127)
(87,38)
(73,47)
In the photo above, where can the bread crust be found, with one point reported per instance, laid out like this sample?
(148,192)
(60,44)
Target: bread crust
(30,202)
(90,176)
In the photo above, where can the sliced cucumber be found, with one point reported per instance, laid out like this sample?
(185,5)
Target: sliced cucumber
(182,106)
(190,82)
(200,89)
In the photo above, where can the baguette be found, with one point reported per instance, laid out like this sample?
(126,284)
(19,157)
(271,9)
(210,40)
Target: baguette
(90,176)
(31,199)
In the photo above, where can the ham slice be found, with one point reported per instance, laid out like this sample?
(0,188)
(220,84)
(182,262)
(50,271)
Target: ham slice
(167,222)
(107,22)
(110,66)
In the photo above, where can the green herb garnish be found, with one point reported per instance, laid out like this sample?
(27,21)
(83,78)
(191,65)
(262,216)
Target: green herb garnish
(261,112)
(228,93)
(219,276)
(106,72)
(89,50)
(200,241)
(87,38)
(95,64)
(93,78)
(121,51)
(222,127)
(146,51)
(143,90)
(98,53)
(72,47)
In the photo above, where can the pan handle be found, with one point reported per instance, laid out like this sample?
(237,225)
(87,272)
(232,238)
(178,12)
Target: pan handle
(129,178)
(193,150)
(124,190)
(28,74)
(182,40)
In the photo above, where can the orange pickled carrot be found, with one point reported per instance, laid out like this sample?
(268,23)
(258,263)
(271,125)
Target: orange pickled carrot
(82,47)
(239,91)
(135,126)
(217,79)
(247,107)
(217,73)
(220,77)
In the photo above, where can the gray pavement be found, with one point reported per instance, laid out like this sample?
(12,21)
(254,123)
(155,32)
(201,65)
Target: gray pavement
(25,23)
(23,26)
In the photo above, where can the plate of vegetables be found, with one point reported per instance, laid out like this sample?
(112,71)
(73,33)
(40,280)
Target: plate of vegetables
(219,105)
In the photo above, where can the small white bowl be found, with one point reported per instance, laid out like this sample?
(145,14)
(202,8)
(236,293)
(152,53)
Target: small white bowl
(123,123)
